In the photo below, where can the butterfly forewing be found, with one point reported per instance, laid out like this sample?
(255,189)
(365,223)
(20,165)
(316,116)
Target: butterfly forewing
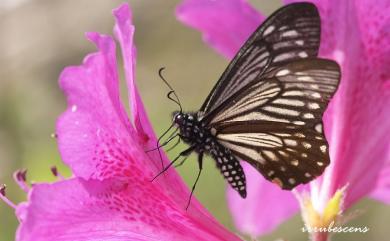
(280,132)
(292,32)
(296,93)
(249,99)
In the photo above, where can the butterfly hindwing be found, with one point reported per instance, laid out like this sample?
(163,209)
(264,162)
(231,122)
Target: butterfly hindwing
(291,33)
(288,155)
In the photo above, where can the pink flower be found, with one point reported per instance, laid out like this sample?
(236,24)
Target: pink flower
(357,35)
(110,196)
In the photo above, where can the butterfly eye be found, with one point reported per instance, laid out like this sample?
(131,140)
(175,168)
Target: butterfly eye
(178,118)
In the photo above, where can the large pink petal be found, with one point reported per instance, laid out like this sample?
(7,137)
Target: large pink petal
(265,207)
(94,134)
(360,109)
(225,24)
(96,138)
(79,210)
(171,182)
(357,35)
(382,188)
(124,31)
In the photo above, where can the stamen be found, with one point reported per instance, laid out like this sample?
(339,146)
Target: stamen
(55,173)
(20,177)
(54,170)
(2,189)
(4,198)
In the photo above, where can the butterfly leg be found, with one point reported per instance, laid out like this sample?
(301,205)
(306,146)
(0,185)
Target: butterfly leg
(173,136)
(183,153)
(200,162)
(174,145)
(158,144)
(182,162)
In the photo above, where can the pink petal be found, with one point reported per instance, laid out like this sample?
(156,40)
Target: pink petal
(225,24)
(94,134)
(265,207)
(357,35)
(98,141)
(382,188)
(124,31)
(357,120)
(75,210)
(172,182)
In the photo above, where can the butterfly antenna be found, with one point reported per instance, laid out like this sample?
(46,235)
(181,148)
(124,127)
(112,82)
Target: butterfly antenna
(172,91)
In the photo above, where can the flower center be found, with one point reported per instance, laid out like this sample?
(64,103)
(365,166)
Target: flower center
(322,222)
(329,215)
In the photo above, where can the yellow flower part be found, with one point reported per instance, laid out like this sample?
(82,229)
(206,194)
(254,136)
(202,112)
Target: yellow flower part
(326,219)
(333,208)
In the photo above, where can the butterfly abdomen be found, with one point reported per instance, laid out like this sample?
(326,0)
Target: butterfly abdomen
(230,168)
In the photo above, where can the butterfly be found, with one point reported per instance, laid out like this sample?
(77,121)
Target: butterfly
(266,108)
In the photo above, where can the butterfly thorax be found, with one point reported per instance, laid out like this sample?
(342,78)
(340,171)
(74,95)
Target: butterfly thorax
(196,134)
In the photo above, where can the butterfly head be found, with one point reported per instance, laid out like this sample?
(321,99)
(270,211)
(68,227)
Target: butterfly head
(180,118)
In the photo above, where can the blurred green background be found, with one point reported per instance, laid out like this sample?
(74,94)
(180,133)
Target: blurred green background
(38,38)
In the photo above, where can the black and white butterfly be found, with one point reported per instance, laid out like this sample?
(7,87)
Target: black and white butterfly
(267,107)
